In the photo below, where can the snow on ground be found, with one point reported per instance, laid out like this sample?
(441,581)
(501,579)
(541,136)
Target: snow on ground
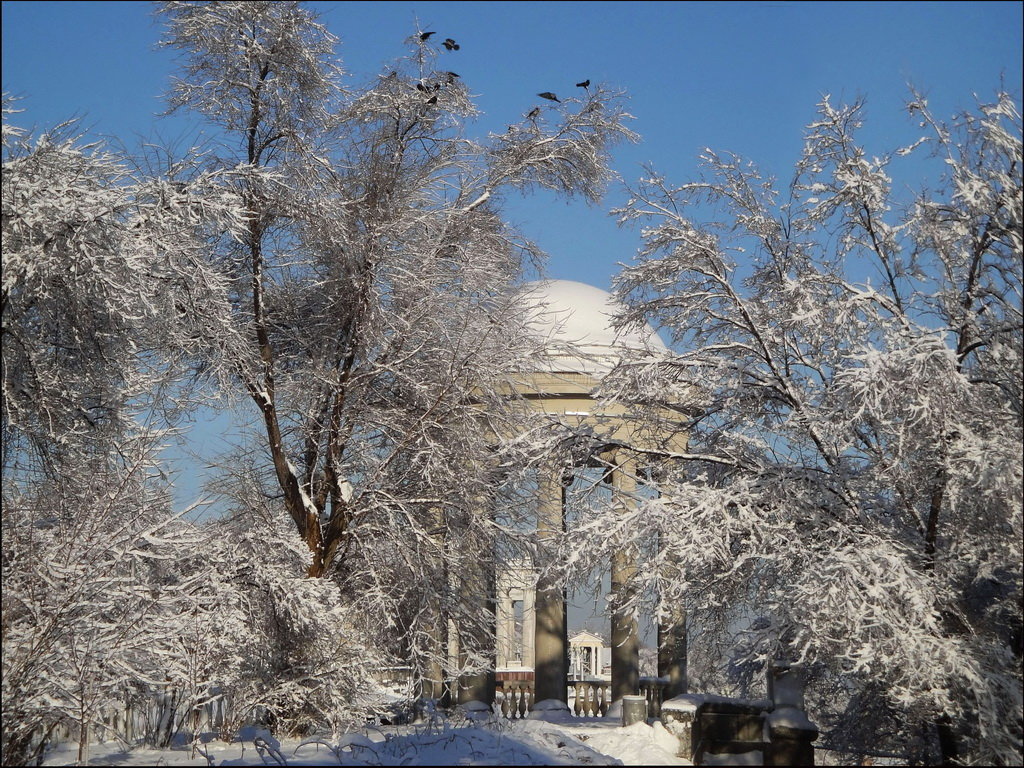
(572,741)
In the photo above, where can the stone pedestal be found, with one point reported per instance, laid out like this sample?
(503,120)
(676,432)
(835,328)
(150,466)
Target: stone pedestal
(477,689)
(475,710)
(791,734)
(678,715)
(634,710)
(550,710)
(791,738)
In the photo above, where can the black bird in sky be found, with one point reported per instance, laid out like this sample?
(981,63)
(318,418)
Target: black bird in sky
(426,36)
(450,44)
(549,95)
(533,113)
(584,84)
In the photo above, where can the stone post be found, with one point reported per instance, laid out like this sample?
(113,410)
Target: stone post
(634,710)
(550,639)
(679,716)
(625,639)
(791,734)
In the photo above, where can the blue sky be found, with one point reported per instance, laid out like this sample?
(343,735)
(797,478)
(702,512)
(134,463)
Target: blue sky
(739,76)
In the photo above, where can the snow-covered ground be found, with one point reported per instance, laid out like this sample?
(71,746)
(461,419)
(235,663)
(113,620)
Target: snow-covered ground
(527,742)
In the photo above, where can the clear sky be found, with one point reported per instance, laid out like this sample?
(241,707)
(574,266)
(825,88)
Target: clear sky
(738,76)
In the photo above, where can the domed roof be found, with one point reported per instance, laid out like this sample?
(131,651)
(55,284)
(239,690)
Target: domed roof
(576,320)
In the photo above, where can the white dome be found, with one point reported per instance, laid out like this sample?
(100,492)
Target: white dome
(576,321)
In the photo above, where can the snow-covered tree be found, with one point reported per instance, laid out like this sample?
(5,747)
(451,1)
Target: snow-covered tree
(98,271)
(369,271)
(851,358)
(370,290)
(91,324)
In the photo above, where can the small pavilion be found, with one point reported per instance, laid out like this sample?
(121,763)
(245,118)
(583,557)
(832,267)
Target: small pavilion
(574,320)
(587,653)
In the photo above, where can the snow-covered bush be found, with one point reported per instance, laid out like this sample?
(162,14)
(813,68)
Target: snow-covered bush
(90,611)
(281,649)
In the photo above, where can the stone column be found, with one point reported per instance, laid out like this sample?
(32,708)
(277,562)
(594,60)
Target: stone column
(625,639)
(478,689)
(505,629)
(529,621)
(672,653)
(433,682)
(477,588)
(550,640)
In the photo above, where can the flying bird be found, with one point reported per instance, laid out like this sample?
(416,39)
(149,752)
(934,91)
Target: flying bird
(584,84)
(450,44)
(549,95)
(426,36)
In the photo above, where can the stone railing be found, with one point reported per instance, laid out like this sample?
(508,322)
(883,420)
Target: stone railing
(590,699)
(514,698)
(153,717)
(587,698)
(653,689)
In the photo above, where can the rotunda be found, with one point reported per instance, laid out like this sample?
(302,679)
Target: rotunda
(575,320)
(574,323)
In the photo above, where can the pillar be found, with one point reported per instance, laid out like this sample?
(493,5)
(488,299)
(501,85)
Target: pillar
(625,639)
(672,653)
(672,647)
(791,734)
(433,683)
(478,688)
(432,686)
(550,639)
(477,588)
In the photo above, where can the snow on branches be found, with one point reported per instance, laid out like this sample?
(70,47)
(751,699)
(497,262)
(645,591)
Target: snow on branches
(856,359)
